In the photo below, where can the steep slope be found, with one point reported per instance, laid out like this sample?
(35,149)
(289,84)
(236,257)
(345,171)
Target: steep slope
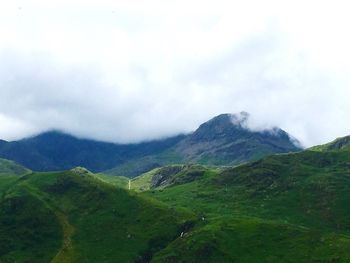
(59,151)
(226,140)
(75,217)
(223,140)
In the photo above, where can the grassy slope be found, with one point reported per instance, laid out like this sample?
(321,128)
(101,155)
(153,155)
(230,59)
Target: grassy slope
(119,181)
(8,167)
(342,143)
(297,205)
(254,240)
(284,208)
(306,188)
(176,174)
(143,182)
(9,173)
(77,218)
(29,230)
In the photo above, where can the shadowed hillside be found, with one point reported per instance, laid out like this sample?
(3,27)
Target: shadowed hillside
(221,141)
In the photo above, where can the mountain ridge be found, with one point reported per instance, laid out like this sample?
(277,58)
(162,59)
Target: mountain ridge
(223,140)
(229,136)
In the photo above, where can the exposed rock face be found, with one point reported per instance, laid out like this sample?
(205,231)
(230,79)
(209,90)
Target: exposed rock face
(226,139)
(176,174)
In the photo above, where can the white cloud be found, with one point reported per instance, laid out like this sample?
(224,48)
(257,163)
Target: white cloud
(133,70)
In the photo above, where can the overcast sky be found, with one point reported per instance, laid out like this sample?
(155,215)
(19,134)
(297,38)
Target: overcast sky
(126,71)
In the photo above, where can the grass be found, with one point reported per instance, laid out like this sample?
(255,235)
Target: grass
(119,181)
(143,182)
(283,208)
(8,167)
(302,197)
(71,217)
(307,188)
(253,240)
(342,143)
(29,230)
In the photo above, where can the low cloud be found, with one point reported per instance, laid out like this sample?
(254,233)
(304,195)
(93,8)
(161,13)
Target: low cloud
(124,80)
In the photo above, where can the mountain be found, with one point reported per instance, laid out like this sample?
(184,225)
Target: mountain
(227,140)
(224,140)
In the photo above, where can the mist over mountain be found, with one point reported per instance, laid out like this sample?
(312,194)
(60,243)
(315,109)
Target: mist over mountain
(223,140)
(59,151)
(283,208)
(227,139)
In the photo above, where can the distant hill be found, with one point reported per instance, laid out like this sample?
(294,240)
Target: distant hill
(8,167)
(342,143)
(224,140)
(55,150)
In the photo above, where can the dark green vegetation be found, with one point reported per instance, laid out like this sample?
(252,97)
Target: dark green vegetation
(282,208)
(75,217)
(308,188)
(224,140)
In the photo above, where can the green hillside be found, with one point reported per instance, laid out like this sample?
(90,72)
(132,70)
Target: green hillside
(342,143)
(75,217)
(309,188)
(8,167)
(119,181)
(9,173)
(249,240)
(284,208)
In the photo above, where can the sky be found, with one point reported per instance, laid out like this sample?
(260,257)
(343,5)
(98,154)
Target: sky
(129,71)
